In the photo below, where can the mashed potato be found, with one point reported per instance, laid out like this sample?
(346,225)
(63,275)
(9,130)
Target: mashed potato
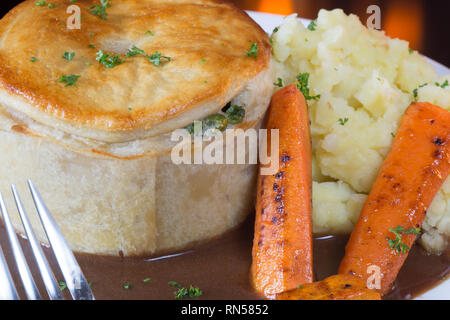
(366,81)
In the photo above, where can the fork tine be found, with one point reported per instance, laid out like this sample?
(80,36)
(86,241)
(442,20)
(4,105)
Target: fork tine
(47,275)
(75,280)
(22,266)
(7,289)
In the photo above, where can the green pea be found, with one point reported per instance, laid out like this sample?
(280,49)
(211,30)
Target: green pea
(235,114)
(216,121)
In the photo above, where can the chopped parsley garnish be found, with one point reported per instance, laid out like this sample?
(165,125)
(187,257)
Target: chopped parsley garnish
(109,61)
(73,1)
(343,121)
(416,91)
(91,46)
(275,30)
(300,287)
(203,60)
(127,285)
(100,9)
(443,85)
(52,5)
(235,114)
(253,51)
(393,135)
(397,243)
(155,58)
(302,85)
(312,25)
(62,285)
(68,55)
(279,83)
(41,3)
(69,79)
(134,51)
(183,293)
(174,284)
(146,280)
(33,59)
(410,51)
(149,32)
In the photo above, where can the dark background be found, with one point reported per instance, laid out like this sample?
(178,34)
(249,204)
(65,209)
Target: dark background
(424,23)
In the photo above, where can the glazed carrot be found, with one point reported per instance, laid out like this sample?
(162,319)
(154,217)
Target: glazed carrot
(282,245)
(410,177)
(337,287)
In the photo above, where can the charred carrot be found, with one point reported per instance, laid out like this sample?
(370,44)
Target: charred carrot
(282,245)
(337,287)
(410,177)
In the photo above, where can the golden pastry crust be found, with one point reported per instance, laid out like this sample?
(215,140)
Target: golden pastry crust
(135,99)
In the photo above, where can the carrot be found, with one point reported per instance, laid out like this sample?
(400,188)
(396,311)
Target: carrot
(282,245)
(409,179)
(337,287)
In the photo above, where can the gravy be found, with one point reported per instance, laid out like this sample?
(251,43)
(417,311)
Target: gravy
(221,269)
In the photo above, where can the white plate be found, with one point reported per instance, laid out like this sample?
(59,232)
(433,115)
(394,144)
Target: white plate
(268,22)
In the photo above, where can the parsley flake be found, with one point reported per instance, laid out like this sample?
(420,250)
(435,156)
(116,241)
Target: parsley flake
(41,3)
(100,9)
(397,243)
(302,85)
(62,285)
(416,91)
(68,55)
(253,51)
(127,285)
(149,32)
(279,83)
(343,121)
(443,85)
(69,79)
(109,61)
(174,284)
(146,280)
(275,30)
(410,51)
(312,25)
(155,58)
(52,5)
(183,293)
(33,59)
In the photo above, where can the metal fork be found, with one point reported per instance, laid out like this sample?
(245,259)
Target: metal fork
(76,283)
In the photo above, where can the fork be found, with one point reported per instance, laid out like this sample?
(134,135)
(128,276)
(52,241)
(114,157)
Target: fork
(75,281)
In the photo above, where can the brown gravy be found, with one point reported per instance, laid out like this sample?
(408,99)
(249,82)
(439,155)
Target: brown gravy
(221,269)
